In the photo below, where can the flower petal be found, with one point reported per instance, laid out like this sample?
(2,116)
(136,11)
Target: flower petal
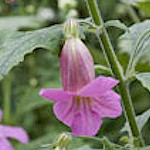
(107,105)
(5,144)
(17,133)
(98,86)
(86,122)
(55,94)
(1,114)
(65,111)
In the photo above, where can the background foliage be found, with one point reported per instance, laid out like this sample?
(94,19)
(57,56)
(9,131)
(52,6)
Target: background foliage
(25,27)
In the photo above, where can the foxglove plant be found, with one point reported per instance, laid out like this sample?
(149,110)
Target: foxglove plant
(17,133)
(84,100)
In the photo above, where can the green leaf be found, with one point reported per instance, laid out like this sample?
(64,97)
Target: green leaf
(141,121)
(128,41)
(144,78)
(144,6)
(15,45)
(117,24)
(20,22)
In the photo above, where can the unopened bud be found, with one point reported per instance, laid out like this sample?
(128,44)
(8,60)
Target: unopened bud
(76,63)
(71,28)
(63,141)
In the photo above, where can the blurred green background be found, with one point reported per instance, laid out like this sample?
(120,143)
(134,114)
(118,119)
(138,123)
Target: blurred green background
(41,69)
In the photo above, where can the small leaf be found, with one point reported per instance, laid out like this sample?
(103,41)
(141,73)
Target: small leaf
(141,121)
(15,45)
(117,24)
(144,78)
(128,41)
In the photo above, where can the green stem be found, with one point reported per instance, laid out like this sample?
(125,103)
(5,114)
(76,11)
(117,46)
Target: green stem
(117,70)
(6,86)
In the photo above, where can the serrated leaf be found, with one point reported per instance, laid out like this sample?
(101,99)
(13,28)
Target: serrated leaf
(20,22)
(15,45)
(144,78)
(117,24)
(141,121)
(128,41)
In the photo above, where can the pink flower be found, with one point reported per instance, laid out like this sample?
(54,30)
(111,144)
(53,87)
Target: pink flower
(11,132)
(84,100)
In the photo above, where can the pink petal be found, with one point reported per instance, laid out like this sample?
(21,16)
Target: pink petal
(55,94)
(98,86)
(1,114)
(107,105)
(65,111)
(15,133)
(5,144)
(76,64)
(86,122)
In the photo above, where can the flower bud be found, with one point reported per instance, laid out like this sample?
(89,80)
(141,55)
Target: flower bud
(77,67)
(63,141)
(71,28)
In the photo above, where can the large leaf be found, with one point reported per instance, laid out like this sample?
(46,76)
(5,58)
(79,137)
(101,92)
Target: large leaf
(15,45)
(117,24)
(129,40)
(141,121)
(144,78)
(20,22)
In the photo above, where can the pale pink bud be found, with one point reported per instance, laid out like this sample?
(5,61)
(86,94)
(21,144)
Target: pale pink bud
(77,67)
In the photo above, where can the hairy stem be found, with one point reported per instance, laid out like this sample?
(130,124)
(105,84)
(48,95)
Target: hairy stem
(117,71)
